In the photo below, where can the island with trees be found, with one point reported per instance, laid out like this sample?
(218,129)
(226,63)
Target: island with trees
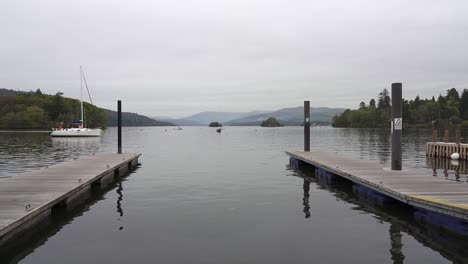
(451,109)
(215,124)
(271,122)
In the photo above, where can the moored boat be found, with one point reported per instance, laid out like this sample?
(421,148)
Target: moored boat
(77,129)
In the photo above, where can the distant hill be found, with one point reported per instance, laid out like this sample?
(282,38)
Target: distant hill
(205,118)
(132,119)
(289,116)
(179,122)
(10,92)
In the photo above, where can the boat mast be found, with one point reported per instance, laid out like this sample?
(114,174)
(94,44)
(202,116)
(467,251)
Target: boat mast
(81,96)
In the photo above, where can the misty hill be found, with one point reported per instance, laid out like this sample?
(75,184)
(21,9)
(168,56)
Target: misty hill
(180,122)
(290,116)
(205,118)
(132,119)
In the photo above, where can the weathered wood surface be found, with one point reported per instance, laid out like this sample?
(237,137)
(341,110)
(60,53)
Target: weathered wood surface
(414,187)
(30,197)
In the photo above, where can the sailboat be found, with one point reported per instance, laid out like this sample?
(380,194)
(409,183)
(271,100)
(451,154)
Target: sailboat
(78,129)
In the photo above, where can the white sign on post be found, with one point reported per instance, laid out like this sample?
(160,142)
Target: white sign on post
(307,119)
(397,123)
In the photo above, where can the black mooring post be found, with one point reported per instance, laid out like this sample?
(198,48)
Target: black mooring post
(306,126)
(397,125)
(119,127)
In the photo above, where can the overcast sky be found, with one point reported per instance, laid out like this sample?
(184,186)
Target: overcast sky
(179,57)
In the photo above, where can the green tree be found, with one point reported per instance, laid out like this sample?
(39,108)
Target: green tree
(215,124)
(464,104)
(362,105)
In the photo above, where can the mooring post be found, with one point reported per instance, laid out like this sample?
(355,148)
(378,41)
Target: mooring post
(434,136)
(119,127)
(306,125)
(397,125)
(446,136)
(457,136)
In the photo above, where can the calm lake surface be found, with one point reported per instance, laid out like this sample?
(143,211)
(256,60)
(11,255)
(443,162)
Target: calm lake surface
(204,197)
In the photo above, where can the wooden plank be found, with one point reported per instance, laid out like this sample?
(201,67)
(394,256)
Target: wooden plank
(414,187)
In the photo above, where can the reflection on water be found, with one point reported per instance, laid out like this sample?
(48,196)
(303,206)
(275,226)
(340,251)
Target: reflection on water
(22,151)
(454,170)
(395,244)
(119,191)
(305,200)
(401,218)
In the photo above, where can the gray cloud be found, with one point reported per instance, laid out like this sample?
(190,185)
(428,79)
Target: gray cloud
(180,57)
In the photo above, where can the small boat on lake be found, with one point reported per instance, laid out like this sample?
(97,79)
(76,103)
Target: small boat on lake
(77,129)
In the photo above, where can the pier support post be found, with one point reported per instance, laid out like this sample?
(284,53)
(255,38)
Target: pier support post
(446,136)
(119,127)
(434,136)
(397,125)
(306,125)
(457,136)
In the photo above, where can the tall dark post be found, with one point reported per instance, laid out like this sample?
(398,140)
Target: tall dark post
(397,125)
(119,126)
(306,126)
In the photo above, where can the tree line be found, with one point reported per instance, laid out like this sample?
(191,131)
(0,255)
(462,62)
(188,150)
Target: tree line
(36,110)
(451,109)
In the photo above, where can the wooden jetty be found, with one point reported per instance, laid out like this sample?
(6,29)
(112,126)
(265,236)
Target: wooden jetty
(414,186)
(29,199)
(445,150)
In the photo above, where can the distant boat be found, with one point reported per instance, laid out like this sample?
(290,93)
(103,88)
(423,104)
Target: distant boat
(77,129)
(219,130)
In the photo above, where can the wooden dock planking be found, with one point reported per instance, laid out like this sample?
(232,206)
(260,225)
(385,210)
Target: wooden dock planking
(29,198)
(414,187)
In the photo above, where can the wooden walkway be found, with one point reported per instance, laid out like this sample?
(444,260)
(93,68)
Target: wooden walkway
(30,198)
(414,187)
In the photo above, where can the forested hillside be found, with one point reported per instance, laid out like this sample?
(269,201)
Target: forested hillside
(35,110)
(451,109)
(132,119)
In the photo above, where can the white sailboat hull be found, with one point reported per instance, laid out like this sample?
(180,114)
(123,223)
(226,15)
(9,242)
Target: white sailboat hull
(77,132)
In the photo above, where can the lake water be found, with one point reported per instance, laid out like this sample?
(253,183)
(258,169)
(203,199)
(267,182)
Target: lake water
(204,197)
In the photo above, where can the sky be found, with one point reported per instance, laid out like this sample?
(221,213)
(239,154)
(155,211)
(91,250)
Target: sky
(179,57)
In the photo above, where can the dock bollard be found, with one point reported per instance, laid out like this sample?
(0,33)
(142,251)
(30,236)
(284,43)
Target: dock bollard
(119,127)
(397,125)
(306,125)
